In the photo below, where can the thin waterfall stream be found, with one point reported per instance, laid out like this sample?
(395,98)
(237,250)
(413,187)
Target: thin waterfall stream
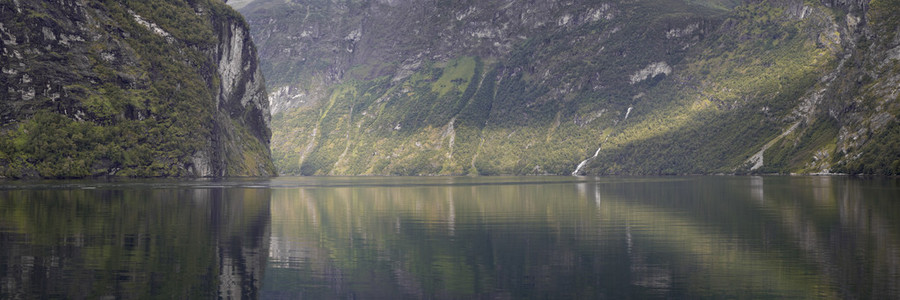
(584,162)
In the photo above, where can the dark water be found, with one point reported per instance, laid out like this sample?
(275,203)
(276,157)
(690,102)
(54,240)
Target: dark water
(458,238)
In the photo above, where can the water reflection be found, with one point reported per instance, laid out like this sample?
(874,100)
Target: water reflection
(420,241)
(795,237)
(132,242)
(472,238)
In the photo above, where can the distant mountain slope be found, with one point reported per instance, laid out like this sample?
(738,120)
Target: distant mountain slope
(130,88)
(581,87)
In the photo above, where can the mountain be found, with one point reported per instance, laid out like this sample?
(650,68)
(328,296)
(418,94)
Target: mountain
(628,87)
(130,88)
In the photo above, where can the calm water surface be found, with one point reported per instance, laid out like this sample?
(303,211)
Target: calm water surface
(452,238)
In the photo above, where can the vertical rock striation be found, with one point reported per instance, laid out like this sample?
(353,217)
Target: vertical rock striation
(242,98)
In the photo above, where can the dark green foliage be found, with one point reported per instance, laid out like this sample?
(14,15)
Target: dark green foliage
(54,146)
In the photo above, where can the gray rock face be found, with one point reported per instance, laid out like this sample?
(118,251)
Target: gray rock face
(242,94)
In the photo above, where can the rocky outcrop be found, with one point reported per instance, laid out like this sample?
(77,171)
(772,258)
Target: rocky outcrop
(130,89)
(652,70)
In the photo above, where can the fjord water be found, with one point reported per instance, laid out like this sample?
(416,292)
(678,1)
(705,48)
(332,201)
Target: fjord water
(450,237)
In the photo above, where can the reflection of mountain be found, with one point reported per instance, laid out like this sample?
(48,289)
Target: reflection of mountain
(133,243)
(681,238)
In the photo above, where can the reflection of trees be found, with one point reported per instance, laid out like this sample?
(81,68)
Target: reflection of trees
(132,243)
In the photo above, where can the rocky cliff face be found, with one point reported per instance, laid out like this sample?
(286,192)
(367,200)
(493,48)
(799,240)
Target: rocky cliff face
(860,97)
(130,88)
(552,87)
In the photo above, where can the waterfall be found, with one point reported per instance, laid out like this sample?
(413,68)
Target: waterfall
(584,162)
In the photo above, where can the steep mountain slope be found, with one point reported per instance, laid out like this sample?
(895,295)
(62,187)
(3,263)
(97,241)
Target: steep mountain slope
(852,124)
(580,87)
(130,88)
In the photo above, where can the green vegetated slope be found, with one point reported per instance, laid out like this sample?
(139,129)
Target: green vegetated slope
(660,87)
(130,88)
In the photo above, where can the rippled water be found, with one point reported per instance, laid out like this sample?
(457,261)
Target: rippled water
(452,237)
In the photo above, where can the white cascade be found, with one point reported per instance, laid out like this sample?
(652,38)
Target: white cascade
(584,162)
